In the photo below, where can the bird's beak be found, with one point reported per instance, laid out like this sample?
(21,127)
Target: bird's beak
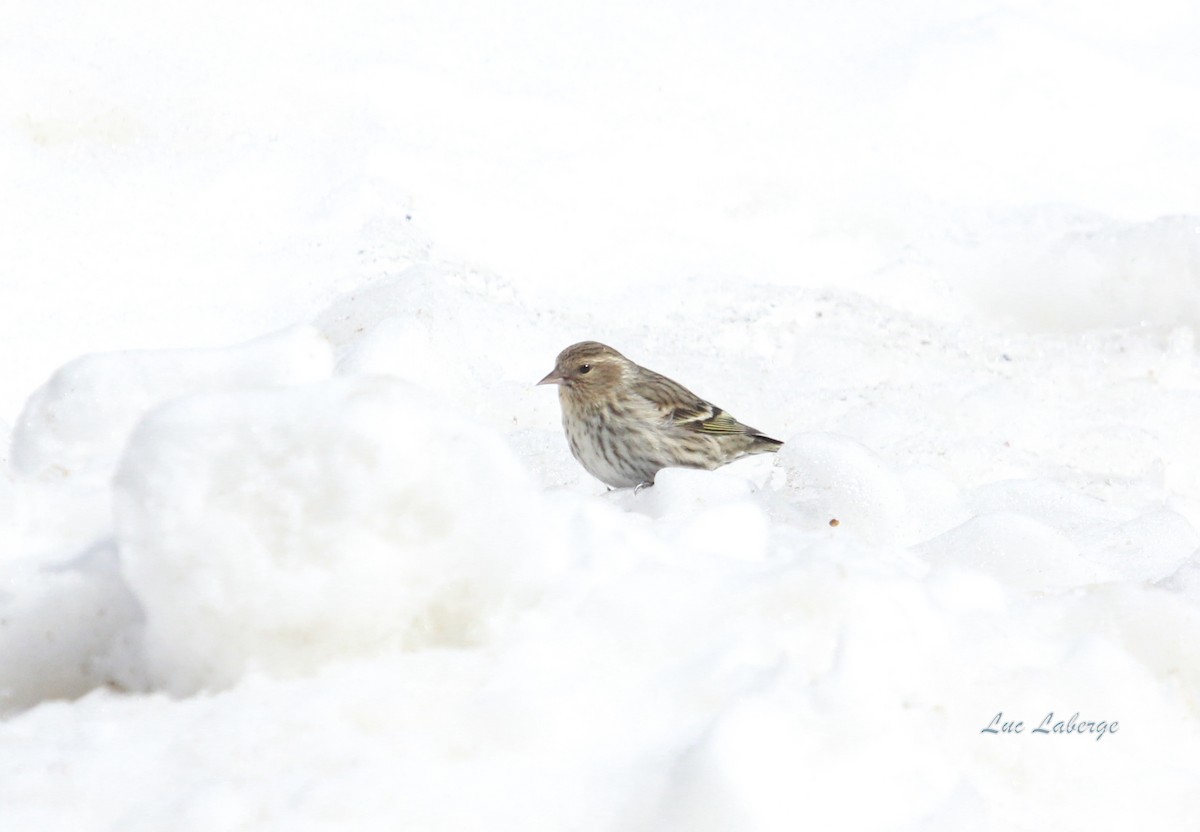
(552,378)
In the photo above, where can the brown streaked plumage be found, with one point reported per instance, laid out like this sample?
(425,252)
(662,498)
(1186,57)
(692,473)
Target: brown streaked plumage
(625,423)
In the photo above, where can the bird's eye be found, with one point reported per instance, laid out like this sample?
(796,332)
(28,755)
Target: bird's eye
(585,368)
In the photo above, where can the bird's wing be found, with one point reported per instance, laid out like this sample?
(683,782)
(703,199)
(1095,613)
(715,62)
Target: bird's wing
(683,408)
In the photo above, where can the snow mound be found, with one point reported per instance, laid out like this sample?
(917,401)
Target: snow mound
(65,628)
(1016,550)
(278,529)
(82,416)
(835,478)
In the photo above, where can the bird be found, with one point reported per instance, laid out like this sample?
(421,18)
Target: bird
(626,423)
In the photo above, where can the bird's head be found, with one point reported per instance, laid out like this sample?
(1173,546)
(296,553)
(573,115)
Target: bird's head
(587,368)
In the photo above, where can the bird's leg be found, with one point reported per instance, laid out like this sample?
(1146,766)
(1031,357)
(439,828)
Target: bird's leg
(642,485)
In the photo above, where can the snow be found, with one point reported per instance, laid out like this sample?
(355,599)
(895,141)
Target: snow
(285,528)
(290,540)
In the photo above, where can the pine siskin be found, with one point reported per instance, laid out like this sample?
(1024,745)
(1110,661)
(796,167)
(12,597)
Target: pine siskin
(626,423)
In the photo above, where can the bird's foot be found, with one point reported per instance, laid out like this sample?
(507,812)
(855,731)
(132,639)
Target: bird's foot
(642,485)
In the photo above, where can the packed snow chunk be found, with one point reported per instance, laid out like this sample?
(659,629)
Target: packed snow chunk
(842,483)
(703,512)
(65,629)
(8,513)
(1048,501)
(278,529)
(1150,547)
(684,491)
(439,328)
(1146,546)
(84,413)
(1016,550)
(1099,274)
(403,347)
(933,503)
(1185,579)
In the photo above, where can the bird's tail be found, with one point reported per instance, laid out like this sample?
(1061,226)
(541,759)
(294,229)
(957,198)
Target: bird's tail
(764,444)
